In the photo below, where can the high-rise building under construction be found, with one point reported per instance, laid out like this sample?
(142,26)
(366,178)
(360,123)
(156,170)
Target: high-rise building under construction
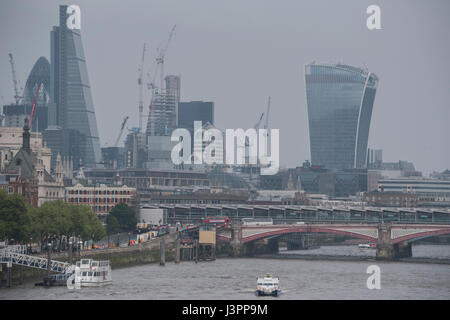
(71,111)
(162,118)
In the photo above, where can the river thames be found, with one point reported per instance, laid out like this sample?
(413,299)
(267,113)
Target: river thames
(228,278)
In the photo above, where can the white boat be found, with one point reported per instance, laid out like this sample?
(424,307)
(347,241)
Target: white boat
(367,245)
(268,286)
(90,273)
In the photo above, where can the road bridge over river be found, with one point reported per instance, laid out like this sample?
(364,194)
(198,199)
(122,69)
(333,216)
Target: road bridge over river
(393,239)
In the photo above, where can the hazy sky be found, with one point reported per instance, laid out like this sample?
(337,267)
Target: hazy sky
(238,52)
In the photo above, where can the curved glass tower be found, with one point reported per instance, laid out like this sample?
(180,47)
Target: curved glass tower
(340,100)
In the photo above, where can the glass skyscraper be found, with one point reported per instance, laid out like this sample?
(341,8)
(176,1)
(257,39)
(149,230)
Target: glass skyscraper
(340,100)
(71,108)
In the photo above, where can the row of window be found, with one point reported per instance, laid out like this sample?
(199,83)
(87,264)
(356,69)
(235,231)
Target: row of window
(98,200)
(100,192)
(52,194)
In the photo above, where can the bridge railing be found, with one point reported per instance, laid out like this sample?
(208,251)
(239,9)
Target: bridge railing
(15,248)
(34,262)
(324,218)
(357,221)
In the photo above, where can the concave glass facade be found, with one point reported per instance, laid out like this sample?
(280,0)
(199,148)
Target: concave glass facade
(340,100)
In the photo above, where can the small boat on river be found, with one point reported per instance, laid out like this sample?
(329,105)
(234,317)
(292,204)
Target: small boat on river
(268,286)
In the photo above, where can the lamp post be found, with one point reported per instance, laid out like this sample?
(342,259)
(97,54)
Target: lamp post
(31,248)
(70,250)
(49,249)
(79,246)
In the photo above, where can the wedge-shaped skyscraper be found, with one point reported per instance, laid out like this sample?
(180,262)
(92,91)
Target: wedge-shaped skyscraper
(71,109)
(340,100)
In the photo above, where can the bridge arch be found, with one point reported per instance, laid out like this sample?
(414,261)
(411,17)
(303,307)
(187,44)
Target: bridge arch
(368,233)
(420,235)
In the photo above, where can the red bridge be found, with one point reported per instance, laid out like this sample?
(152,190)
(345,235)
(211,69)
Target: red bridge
(393,240)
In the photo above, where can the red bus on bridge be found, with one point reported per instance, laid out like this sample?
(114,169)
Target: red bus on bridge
(218,222)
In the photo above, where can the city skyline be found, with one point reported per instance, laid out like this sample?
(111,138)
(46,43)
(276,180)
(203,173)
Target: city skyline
(251,70)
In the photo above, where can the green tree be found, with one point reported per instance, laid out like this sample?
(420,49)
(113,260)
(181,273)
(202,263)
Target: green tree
(125,216)
(58,218)
(15,220)
(112,225)
(93,228)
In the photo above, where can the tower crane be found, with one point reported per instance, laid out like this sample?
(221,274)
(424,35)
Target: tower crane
(256,127)
(121,131)
(13,69)
(159,67)
(162,54)
(141,102)
(266,125)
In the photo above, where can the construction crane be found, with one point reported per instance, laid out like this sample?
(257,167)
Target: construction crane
(151,85)
(141,101)
(162,54)
(256,127)
(266,125)
(121,131)
(13,69)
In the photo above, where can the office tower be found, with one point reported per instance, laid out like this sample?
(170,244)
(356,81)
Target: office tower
(71,107)
(113,157)
(188,112)
(135,149)
(173,86)
(340,100)
(15,114)
(374,158)
(162,118)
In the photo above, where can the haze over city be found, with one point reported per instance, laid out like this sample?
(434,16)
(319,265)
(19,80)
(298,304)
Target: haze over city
(237,53)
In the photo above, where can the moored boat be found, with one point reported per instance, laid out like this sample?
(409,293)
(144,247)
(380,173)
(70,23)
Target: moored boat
(90,273)
(370,245)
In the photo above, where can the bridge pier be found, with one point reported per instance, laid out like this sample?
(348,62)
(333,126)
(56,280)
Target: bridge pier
(386,250)
(272,246)
(237,247)
(177,249)
(162,252)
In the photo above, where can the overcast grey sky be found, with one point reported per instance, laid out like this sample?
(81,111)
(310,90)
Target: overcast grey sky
(238,52)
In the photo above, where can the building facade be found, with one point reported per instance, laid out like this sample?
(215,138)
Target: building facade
(27,168)
(188,112)
(11,139)
(431,192)
(162,117)
(101,198)
(391,199)
(340,100)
